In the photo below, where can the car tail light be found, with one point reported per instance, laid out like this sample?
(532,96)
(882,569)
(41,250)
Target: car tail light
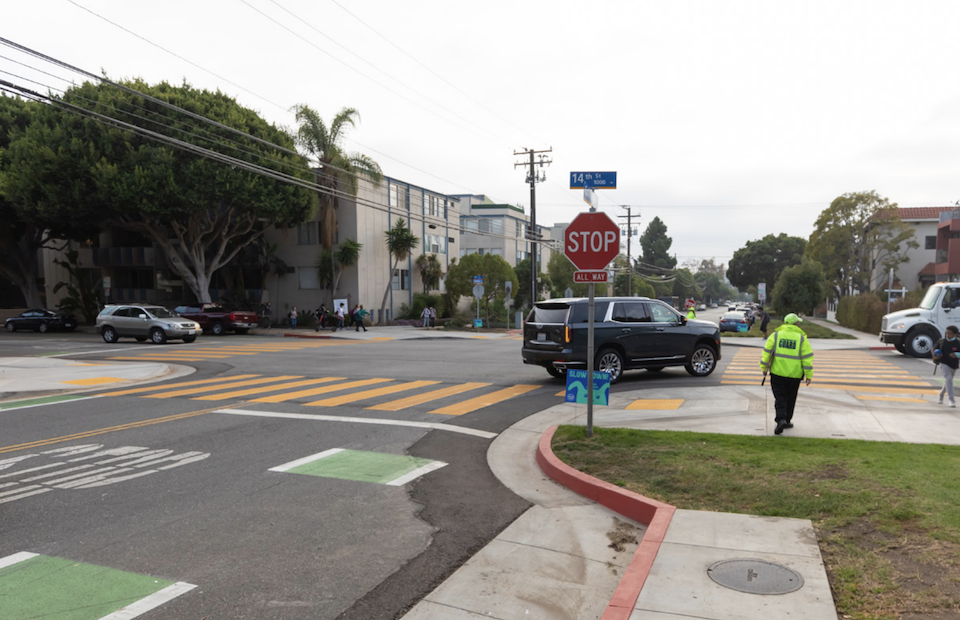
(566,334)
(233,317)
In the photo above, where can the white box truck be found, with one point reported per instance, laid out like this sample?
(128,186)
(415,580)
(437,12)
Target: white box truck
(914,331)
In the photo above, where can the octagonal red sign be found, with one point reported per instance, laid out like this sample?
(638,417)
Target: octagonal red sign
(591,241)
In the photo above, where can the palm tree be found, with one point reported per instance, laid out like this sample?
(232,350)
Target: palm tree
(338,169)
(267,262)
(331,265)
(400,242)
(430,271)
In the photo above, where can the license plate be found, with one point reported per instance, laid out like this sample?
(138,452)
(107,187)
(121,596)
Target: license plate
(541,337)
(68,324)
(191,332)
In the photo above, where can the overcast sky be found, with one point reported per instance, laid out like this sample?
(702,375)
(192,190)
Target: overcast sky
(728,120)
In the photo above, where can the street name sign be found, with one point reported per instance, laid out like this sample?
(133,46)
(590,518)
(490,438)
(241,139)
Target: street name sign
(596,180)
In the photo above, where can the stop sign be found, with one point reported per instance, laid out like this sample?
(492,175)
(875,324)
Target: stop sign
(591,241)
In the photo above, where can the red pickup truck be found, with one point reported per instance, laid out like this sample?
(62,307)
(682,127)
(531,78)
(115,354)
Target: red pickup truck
(218,320)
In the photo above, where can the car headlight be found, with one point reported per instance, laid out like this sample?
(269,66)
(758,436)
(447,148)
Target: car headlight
(171,325)
(897,326)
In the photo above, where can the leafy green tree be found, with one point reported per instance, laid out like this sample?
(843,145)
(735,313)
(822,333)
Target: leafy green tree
(495,272)
(201,212)
(656,246)
(22,231)
(400,243)
(856,233)
(522,271)
(685,287)
(764,260)
(800,288)
(560,271)
(430,271)
(339,169)
(84,290)
(331,265)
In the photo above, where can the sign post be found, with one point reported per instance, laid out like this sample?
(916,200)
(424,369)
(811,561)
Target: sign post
(762,292)
(478,293)
(590,242)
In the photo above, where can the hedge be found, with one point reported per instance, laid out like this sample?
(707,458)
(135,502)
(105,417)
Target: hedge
(865,312)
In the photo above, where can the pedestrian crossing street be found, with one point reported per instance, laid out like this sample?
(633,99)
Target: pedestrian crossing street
(854,371)
(453,400)
(213,352)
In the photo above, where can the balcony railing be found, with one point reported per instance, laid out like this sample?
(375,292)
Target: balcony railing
(946,216)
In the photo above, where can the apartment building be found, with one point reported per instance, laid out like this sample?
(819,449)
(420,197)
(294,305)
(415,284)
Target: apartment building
(488,227)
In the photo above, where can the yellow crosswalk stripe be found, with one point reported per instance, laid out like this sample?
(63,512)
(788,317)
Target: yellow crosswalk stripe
(426,397)
(848,388)
(279,398)
(656,404)
(846,378)
(891,398)
(269,388)
(209,388)
(154,388)
(354,397)
(486,400)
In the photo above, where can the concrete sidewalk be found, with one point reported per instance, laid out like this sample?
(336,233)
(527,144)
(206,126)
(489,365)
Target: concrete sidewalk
(388,332)
(25,377)
(545,565)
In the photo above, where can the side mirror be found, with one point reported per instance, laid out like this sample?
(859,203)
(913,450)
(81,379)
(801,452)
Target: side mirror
(143,316)
(683,320)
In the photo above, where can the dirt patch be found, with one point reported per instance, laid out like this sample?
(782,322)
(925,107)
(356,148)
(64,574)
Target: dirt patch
(908,575)
(621,535)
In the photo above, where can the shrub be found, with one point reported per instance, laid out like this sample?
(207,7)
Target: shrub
(420,301)
(861,312)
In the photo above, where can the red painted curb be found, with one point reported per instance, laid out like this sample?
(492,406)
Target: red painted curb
(655,515)
(882,348)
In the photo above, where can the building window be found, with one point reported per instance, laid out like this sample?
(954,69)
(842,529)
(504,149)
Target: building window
(521,255)
(497,252)
(401,279)
(471,225)
(481,251)
(398,197)
(307,233)
(308,278)
(464,252)
(433,206)
(931,242)
(435,243)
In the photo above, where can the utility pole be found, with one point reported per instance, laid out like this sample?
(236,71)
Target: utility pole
(629,219)
(533,178)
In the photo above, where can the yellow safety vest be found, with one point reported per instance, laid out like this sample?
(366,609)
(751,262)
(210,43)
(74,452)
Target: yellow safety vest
(788,353)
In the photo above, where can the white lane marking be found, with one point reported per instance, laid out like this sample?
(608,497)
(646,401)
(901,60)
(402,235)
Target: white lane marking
(16,558)
(306,459)
(117,351)
(150,602)
(71,450)
(27,471)
(20,490)
(439,426)
(5,463)
(62,471)
(22,495)
(416,473)
(56,402)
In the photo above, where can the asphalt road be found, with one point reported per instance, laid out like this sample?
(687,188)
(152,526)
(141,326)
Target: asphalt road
(261,543)
(204,507)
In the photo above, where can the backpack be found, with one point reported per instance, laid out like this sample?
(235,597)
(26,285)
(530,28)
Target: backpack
(937,347)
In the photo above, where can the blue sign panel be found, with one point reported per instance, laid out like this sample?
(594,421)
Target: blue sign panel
(743,327)
(577,387)
(478,279)
(478,322)
(596,180)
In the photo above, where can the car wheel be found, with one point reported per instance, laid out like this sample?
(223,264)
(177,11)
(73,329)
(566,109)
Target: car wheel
(217,328)
(608,360)
(655,369)
(11,327)
(919,342)
(241,330)
(141,338)
(703,361)
(44,328)
(110,334)
(899,346)
(556,373)
(158,336)
(189,339)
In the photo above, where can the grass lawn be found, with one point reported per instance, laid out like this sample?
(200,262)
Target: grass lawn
(810,329)
(887,515)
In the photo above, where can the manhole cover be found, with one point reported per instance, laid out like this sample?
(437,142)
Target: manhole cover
(755,576)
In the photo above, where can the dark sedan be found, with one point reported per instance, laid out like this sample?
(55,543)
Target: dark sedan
(734,322)
(42,321)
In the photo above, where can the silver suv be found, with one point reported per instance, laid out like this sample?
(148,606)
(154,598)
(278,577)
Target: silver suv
(142,322)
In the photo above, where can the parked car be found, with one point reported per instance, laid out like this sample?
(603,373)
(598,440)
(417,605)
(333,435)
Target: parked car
(42,321)
(714,305)
(219,320)
(629,332)
(142,322)
(701,307)
(731,322)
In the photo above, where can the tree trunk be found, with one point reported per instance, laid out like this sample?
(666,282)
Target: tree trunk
(386,293)
(22,266)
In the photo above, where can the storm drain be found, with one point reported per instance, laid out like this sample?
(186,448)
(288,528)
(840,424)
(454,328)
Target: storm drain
(755,576)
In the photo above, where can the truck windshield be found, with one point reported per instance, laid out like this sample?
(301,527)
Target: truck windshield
(930,299)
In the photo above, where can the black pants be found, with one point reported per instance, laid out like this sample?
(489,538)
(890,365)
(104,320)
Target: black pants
(785,393)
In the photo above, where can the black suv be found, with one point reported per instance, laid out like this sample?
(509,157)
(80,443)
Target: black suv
(629,332)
